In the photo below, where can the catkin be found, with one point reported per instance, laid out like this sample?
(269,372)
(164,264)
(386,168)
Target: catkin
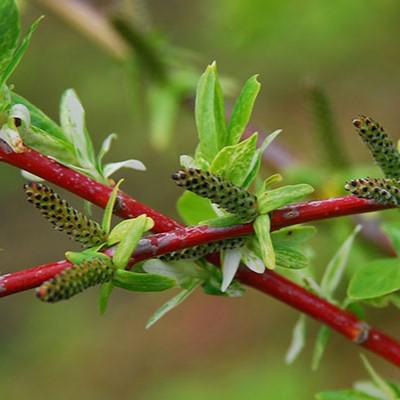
(225,194)
(382,190)
(381,146)
(64,217)
(75,280)
(203,249)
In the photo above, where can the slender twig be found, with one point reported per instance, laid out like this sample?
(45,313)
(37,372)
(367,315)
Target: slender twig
(269,282)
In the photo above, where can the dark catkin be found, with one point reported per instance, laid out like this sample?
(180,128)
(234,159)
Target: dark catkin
(382,190)
(225,194)
(76,279)
(203,249)
(381,146)
(64,217)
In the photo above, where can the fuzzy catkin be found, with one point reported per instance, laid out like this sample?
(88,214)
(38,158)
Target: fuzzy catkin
(64,217)
(75,280)
(225,194)
(381,146)
(382,190)
(203,249)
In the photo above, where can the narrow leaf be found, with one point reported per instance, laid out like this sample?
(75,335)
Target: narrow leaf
(108,211)
(111,168)
(298,340)
(193,208)
(242,110)
(321,342)
(134,231)
(122,230)
(230,264)
(289,257)
(276,198)
(142,282)
(262,227)
(335,269)
(234,163)
(296,234)
(171,304)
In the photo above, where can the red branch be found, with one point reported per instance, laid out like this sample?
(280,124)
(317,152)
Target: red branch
(270,282)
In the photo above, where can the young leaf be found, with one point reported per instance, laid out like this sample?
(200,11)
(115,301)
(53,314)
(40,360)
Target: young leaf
(282,196)
(72,117)
(181,271)
(193,208)
(142,282)
(230,264)
(321,342)
(122,230)
(108,212)
(375,279)
(392,229)
(111,168)
(266,185)
(9,32)
(225,220)
(298,340)
(19,52)
(105,147)
(242,110)
(134,231)
(256,162)
(105,293)
(171,304)
(252,261)
(234,163)
(335,269)
(262,227)
(288,257)
(210,115)
(296,234)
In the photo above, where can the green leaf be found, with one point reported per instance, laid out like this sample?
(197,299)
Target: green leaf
(250,258)
(298,340)
(19,52)
(134,231)
(72,118)
(171,304)
(375,279)
(335,269)
(378,380)
(262,227)
(295,234)
(321,342)
(242,110)
(193,208)
(276,198)
(105,147)
(288,257)
(77,257)
(142,282)
(392,229)
(108,211)
(105,293)
(210,115)
(344,395)
(163,106)
(182,271)
(257,158)
(270,181)
(9,33)
(122,230)
(235,163)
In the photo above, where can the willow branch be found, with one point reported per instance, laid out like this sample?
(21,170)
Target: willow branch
(270,282)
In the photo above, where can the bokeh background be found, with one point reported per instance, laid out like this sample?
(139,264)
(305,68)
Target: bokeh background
(210,347)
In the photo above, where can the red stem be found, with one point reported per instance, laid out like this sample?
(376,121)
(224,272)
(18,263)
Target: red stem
(270,282)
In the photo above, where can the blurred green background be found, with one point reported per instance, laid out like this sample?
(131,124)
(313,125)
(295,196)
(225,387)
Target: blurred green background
(209,347)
